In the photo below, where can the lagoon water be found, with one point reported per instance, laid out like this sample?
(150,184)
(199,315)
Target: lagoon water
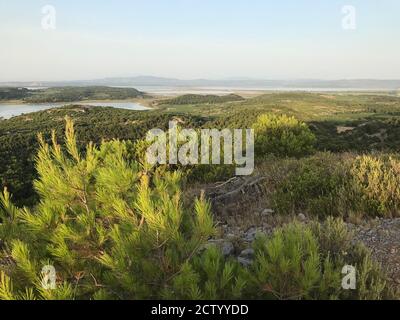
(8,111)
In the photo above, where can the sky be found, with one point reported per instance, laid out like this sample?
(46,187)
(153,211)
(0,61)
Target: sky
(188,39)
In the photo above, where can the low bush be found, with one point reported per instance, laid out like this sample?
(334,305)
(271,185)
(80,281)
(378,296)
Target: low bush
(306,262)
(282,135)
(210,173)
(377,180)
(340,185)
(314,186)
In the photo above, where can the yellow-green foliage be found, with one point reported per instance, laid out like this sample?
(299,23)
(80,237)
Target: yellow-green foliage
(282,135)
(340,185)
(209,276)
(292,253)
(103,222)
(115,230)
(377,180)
(305,262)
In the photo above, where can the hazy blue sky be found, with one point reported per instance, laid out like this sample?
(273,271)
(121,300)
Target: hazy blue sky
(268,39)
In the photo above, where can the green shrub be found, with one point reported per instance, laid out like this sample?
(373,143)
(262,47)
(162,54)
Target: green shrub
(335,243)
(340,185)
(282,136)
(288,265)
(210,173)
(305,262)
(314,185)
(209,276)
(377,181)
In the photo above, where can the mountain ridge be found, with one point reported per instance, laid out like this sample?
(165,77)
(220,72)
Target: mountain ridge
(370,84)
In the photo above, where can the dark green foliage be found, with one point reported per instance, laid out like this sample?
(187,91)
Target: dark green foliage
(362,135)
(68,94)
(210,173)
(13,93)
(313,185)
(200,99)
(71,94)
(18,143)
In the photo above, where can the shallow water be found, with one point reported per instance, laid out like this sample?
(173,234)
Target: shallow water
(8,111)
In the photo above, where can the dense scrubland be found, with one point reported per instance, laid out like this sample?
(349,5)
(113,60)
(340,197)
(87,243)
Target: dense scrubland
(68,94)
(115,228)
(192,99)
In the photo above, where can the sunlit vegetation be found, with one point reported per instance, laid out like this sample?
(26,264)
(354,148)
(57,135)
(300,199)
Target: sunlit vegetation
(90,199)
(18,141)
(282,136)
(340,122)
(114,230)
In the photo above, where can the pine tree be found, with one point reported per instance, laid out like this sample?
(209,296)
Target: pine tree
(109,227)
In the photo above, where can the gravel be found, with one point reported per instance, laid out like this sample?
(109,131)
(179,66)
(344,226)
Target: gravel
(382,237)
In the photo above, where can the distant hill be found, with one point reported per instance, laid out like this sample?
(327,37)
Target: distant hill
(69,94)
(201,99)
(143,81)
(13,93)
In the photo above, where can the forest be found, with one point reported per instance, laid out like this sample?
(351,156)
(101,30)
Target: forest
(13,93)
(79,195)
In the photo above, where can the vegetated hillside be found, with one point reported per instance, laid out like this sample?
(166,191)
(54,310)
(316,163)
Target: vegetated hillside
(330,193)
(200,99)
(341,122)
(113,228)
(306,106)
(69,94)
(18,136)
(14,93)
